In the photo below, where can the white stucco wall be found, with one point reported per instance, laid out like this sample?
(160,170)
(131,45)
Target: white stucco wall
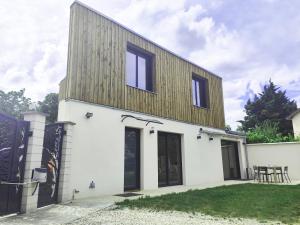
(98,150)
(296,124)
(279,154)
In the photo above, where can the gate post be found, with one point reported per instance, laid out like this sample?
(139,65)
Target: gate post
(64,189)
(33,159)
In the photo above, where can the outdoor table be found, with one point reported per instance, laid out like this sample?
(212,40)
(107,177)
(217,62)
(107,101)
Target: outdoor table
(274,168)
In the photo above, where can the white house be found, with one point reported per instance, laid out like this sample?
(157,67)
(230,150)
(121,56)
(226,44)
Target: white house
(295,117)
(145,117)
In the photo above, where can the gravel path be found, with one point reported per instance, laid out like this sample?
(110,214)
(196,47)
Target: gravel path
(143,217)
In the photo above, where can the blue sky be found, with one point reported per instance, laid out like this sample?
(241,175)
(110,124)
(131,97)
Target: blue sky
(245,42)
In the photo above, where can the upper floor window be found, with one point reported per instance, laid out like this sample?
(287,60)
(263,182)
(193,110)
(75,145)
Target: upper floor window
(139,68)
(200,91)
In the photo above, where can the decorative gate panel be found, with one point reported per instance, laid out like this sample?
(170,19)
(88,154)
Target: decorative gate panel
(13,148)
(51,158)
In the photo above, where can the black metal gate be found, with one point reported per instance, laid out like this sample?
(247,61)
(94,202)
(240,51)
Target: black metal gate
(13,148)
(51,159)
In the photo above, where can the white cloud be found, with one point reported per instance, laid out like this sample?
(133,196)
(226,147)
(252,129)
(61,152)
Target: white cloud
(33,52)
(222,47)
(242,42)
(233,111)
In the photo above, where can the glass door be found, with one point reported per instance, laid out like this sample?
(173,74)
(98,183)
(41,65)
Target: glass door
(162,160)
(169,159)
(230,158)
(132,159)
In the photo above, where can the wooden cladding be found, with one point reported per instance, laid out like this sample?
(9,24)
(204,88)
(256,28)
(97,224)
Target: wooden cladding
(97,68)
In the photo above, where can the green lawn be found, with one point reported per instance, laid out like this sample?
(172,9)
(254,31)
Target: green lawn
(260,201)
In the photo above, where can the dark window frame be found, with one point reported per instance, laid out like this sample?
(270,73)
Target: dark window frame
(149,59)
(165,135)
(138,159)
(237,159)
(204,84)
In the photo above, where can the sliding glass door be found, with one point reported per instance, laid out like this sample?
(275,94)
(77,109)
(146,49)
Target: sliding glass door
(169,159)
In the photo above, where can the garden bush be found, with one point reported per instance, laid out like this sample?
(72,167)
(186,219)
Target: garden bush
(268,132)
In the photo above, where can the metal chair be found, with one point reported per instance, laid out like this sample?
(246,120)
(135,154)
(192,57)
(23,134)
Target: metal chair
(286,174)
(263,171)
(270,173)
(255,173)
(279,174)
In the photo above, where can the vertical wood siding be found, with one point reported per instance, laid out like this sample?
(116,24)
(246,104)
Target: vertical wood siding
(96,73)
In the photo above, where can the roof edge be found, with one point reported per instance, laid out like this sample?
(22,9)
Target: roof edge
(290,117)
(141,36)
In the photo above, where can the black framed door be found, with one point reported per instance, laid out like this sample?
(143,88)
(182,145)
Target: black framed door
(132,159)
(169,159)
(230,158)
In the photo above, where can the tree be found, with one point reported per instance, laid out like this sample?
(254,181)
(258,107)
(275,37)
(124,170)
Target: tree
(14,103)
(228,127)
(239,128)
(272,105)
(50,106)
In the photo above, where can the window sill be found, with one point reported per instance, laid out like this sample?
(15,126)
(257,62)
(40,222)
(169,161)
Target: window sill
(150,92)
(200,107)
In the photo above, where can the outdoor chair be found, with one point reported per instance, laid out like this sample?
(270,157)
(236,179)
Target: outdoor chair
(264,172)
(279,174)
(271,174)
(255,173)
(286,174)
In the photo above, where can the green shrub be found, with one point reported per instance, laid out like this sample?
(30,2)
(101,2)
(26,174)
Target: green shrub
(267,132)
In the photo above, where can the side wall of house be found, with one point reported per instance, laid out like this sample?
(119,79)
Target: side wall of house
(296,125)
(279,154)
(98,150)
(96,73)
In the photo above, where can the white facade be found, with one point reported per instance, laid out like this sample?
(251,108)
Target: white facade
(98,149)
(296,124)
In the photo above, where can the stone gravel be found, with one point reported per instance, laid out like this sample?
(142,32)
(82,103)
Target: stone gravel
(146,217)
